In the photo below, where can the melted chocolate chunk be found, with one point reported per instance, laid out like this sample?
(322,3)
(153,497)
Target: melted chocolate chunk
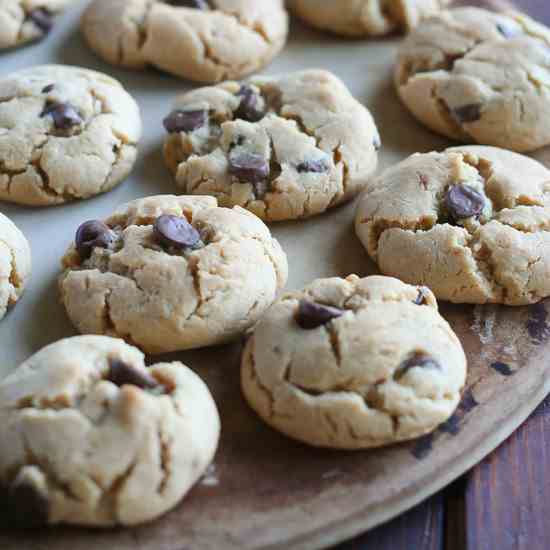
(423,447)
(23,506)
(537,324)
(122,374)
(249,167)
(93,234)
(421,298)
(47,89)
(313,166)
(64,115)
(312,315)
(199,4)
(467,113)
(418,359)
(176,232)
(249,108)
(463,201)
(42,18)
(185,121)
(502,368)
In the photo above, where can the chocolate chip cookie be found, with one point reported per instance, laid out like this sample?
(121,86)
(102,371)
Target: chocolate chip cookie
(15,264)
(172,273)
(479,77)
(472,223)
(284,147)
(354,363)
(23,21)
(90,436)
(66,133)
(361,18)
(202,40)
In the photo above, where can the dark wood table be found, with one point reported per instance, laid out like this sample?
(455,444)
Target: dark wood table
(504,502)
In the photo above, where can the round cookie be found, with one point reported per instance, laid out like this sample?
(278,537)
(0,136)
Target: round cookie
(354,363)
(90,436)
(202,40)
(15,264)
(284,147)
(361,18)
(23,21)
(479,77)
(472,223)
(172,273)
(66,133)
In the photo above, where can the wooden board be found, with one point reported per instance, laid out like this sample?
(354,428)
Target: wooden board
(267,492)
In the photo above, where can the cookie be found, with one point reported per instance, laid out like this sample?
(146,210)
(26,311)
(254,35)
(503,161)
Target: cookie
(284,147)
(354,363)
(23,21)
(93,437)
(362,18)
(479,77)
(202,40)
(472,223)
(66,133)
(172,273)
(15,264)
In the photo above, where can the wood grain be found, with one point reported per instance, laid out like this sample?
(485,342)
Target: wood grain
(506,501)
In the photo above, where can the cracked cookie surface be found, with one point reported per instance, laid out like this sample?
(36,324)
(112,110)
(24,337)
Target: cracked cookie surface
(66,133)
(284,147)
(221,40)
(357,18)
(15,264)
(478,76)
(472,223)
(23,21)
(133,277)
(91,436)
(354,363)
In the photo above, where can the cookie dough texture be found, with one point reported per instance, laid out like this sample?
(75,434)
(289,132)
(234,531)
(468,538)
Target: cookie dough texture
(42,164)
(479,77)
(342,385)
(95,453)
(162,301)
(15,264)
(230,40)
(310,116)
(501,257)
(361,18)
(17,26)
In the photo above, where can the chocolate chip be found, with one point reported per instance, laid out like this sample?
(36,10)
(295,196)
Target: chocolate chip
(42,18)
(199,4)
(185,121)
(64,115)
(93,234)
(47,89)
(421,299)
(417,359)
(508,31)
(467,113)
(317,166)
(176,232)
(311,315)
(122,374)
(249,167)
(23,506)
(423,446)
(463,201)
(249,108)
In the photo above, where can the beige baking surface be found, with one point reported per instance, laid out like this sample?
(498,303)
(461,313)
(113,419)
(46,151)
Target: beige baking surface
(265,491)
